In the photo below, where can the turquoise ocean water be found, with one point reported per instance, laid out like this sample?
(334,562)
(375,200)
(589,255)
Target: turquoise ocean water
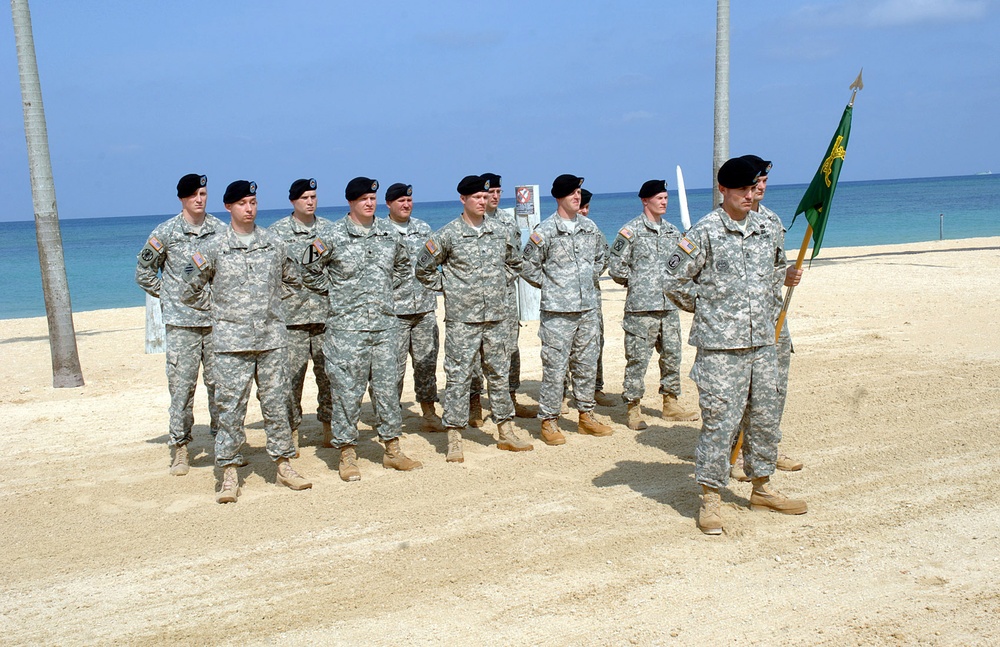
(100,252)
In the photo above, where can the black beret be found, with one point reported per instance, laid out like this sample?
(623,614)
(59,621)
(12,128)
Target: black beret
(473,184)
(397,191)
(239,190)
(737,173)
(493,178)
(190,183)
(299,187)
(652,187)
(360,186)
(763,166)
(585,197)
(565,184)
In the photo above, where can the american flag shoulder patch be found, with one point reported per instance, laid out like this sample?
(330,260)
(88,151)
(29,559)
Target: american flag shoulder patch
(198,260)
(155,243)
(432,247)
(626,233)
(687,245)
(319,246)
(536,238)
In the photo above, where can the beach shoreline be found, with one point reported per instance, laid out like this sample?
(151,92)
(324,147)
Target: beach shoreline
(893,404)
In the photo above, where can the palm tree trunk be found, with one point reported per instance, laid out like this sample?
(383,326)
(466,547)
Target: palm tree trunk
(721,150)
(66,371)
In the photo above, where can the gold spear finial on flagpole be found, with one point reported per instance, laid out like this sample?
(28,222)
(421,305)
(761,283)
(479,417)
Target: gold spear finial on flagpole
(857,85)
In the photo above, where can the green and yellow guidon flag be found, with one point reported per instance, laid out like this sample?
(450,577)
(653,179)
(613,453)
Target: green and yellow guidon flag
(815,204)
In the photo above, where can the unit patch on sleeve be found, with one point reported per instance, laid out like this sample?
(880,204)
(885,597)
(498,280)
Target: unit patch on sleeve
(673,261)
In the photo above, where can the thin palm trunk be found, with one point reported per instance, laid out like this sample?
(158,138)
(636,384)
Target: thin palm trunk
(721,149)
(66,371)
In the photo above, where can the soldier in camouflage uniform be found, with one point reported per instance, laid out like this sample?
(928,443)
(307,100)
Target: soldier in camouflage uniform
(507,217)
(731,256)
(790,277)
(305,311)
(639,261)
(241,278)
(478,263)
(600,397)
(415,305)
(356,262)
(163,266)
(564,257)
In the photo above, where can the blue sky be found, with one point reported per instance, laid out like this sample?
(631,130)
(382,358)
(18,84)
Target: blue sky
(139,93)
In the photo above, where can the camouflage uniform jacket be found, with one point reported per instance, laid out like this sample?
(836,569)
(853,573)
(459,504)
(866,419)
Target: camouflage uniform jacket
(639,261)
(164,266)
(410,296)
(248,283)
(565,264)
(477,269)
(509,220)
(779,272)
(733,276)
(358,270)
(305,306)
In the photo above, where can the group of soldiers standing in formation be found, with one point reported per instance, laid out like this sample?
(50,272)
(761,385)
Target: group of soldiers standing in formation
(357,296)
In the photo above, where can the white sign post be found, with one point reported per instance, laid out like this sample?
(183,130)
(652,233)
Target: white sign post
(528,211)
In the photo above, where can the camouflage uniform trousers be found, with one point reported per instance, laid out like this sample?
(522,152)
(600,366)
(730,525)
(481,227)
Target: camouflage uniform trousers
(234,374)
(599,377)
(731,382)
(187,349)
(514,379)
(464,345)
(305,342)
(784,351)
(419,339)
(356,360)
(644,332)
(569,341)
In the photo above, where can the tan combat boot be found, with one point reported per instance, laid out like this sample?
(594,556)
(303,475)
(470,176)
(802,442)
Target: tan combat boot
(509,440)
(430,421)
(230,489)
(710,513)
(180,465)
(475,411)
(455,454)
(786,464)
(605,400)
(550,432)
(765,497)
(288,477)
(295,441)
(396,459)
(672,410)
(327,435)
(635,420)
(588,425)
(736,471)
(523,410)
(348,468)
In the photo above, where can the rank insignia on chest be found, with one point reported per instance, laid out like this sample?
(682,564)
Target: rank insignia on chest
(155,244)
(198,260)
(626,233)
(536,238)
(687,245)
(431,246)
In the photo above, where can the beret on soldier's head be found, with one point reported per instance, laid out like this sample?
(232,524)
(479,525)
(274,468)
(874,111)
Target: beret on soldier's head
(565,184)
(397,191)
(473,184)
(299,187)
(763,166)
(652,187)
(585,197)
(190,183)
(238,190)
(493,179)
(737,173)
(358,187)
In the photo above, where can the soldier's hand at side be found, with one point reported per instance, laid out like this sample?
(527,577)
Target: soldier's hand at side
(792,276)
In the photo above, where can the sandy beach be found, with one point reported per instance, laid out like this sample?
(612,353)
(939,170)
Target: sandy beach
(894,400)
